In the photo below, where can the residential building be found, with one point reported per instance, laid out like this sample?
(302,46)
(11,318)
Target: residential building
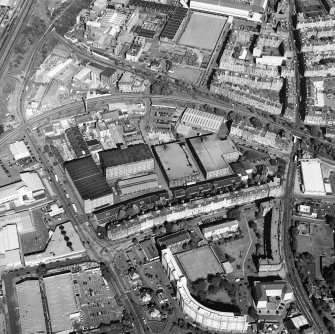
(109,77)
(203,316)
(237,94)
(266,138)
(136,222)
(219,229)
(267,295)
(135,52)
(174,240)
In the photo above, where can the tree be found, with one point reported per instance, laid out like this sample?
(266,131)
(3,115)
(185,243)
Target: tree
(252,225)
(315,130)
(234,213)
(134,240)
(255,122)
(252,312)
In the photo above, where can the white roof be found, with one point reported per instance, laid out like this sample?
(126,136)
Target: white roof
(32,181)
(82,74)
(9,239)
(202,119)
(19,150)
(312,176)
(299,321)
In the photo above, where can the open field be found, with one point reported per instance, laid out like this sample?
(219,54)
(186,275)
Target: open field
(200,262)
(190,75)
(202,31)
(239,251)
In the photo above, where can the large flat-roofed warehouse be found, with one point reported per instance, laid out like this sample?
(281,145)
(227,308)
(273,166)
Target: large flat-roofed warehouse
(201,120)
(177,163)
(91,186)
(251,11)
(61,302)
(19,150)
(311,177)
(30,306)
(213,155)
(119,163)
(202,31)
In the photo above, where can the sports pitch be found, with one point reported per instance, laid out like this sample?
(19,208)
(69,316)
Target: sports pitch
(199,262)
(202,31)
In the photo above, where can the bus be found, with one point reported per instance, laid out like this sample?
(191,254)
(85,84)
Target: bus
(74,208)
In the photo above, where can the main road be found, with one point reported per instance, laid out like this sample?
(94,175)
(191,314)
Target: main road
(302,300)
(96,248)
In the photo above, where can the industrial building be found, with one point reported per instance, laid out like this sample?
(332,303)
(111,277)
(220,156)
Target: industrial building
(269,295)
(203,316)
(87,180)
(311,177)
(23,192)
(19,150)
(120,163)
(231,8)
(177,164)
(58,248)
(138,184)
(61,301)
(77,142)
(9,247)
(201,120)
(174,240)
(219,229)
(30,307)
(213,155)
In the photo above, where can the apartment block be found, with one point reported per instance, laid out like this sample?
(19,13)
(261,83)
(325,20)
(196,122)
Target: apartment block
(238,94)
(236,78)
(266,138)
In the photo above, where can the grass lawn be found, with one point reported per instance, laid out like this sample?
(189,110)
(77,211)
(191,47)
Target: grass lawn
(221,296)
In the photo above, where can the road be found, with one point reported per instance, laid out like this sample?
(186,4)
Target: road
(301,298)
(97,249)
(296,69)
(12,33)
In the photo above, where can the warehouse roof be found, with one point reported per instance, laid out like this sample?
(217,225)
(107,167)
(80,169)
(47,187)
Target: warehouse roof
(202,119)
(19,150)
(117,157)
(30,307)
(176,160)
(312,176)
(210,150)
(61,301)
(87,178)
